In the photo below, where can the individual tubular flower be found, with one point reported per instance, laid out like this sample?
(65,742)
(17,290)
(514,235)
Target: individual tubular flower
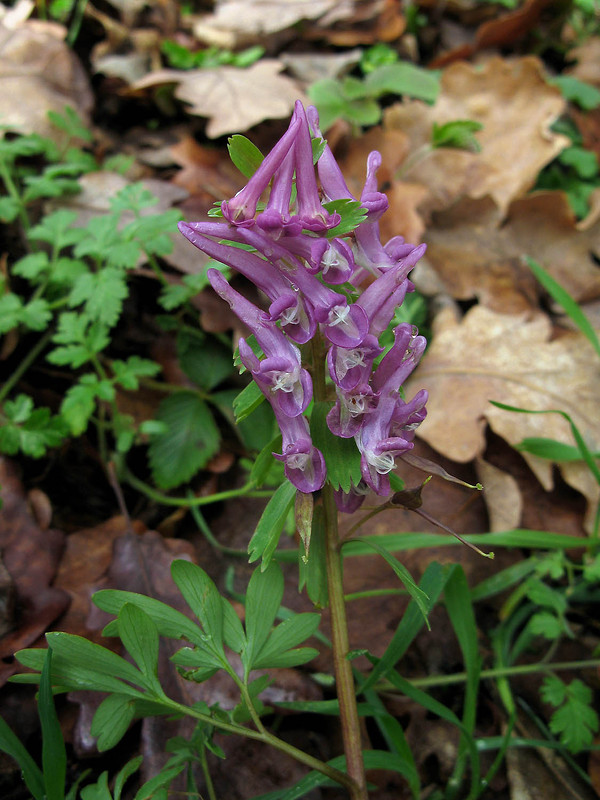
(382,436)
(304,464)
(279,375)
(288,305)
(241,209)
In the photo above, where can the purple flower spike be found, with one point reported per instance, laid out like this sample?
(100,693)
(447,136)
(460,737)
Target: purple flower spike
(279,375)
(240,210)
(304,463)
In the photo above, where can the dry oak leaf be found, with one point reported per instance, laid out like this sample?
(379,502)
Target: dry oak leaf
(39,73)
(233,99)
(255,19)
(490,250)
(510,359)
(516,107)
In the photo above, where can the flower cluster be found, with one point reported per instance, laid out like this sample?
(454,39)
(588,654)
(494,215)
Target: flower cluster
(312,277)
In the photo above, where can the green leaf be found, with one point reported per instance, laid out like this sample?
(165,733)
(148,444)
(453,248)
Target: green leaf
(206,366)
(351,213)
(268,530)
(191,441)
(54,757)
(264,461)
(575,722)
(245,155)
(101,293)
(139,634)
(333,102)
(69,121)
(31,266)
(36,314)
(278,650)
(80,401)
(584,162)
(312,570)
(431,584)
(169,622)
(111,720)
(546,624)
(263,599)
(123,774)
(203,598)
(342,457)
(150,790)
(417,594)
(9,208)
(31,773)
(127,373)
(406,79)
(233,631)
(550,449)
(56,230)
(11,307)
(73,651)
(247,400)
(568,302)
(586,96)
(458,134)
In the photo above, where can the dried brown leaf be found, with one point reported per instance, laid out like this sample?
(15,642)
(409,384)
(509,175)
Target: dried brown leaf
(490,250)
(516,107)
(510,359)
(39,73)
(233,99)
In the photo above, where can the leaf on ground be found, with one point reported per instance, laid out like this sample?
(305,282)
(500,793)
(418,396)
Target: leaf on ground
(233,99)
(502,496)
(516,141)
(509,359)
(31,556)
(490,250)
(43,73)
(247,21)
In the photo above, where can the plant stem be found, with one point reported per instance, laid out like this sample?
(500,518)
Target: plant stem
(25,364)
(268,738)
(341,665)
(245,491)
(339,625)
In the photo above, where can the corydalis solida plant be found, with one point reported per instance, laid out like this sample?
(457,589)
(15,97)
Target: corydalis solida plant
(341,289)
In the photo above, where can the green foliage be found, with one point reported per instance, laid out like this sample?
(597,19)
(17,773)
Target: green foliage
(458,134)
(190,440)
(574,721)
(356,99)
(181,57)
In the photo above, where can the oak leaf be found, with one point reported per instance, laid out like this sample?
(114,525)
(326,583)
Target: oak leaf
(516,107)
(233,99)
(490,250)
(511,359)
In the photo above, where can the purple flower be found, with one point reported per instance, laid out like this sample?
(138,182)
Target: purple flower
(279,375)
(304,464)
(240,210)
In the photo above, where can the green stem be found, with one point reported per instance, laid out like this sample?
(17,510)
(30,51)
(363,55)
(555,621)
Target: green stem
(267,738)
(159,497)
(342,667)
(14,194)
(25,364)
(207,776)
(498,672)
